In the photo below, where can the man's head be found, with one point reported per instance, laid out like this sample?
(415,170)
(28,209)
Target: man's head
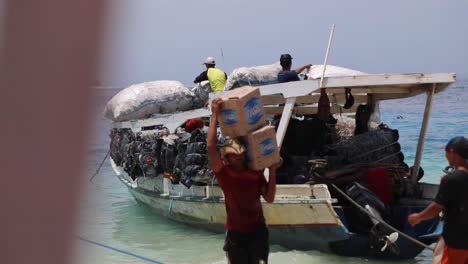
(209,62)
(456,150)
(233,152)
(286,61)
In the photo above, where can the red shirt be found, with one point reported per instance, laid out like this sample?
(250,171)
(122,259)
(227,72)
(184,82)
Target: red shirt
(242,195)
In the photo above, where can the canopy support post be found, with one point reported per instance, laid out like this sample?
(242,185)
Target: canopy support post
(284,122)
(422,134)
(282,127)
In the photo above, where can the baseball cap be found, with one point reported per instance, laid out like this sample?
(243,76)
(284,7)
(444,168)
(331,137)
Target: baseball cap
(232,146)
(285,57)
(459,145)
(209,60)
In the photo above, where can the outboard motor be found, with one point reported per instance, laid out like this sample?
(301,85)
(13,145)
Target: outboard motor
(381,238)
(366,198)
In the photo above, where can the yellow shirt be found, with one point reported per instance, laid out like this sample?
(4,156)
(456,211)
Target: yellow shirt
(217,79)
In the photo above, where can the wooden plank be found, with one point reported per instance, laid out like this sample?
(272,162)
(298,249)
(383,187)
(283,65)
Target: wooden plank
(404,91)
(389,79)
(392,96)
(293,190)
(374,89)
(441,87)
(308,110)
(380,83)
(311,99)
(286,115)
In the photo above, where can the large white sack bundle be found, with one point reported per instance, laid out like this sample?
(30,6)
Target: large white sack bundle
(315,71)
(143,99)
(254,76)
(201,93)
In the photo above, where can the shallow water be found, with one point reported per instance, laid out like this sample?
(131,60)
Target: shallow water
(109,214)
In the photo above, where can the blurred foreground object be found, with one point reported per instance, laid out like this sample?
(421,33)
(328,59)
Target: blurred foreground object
(47,64)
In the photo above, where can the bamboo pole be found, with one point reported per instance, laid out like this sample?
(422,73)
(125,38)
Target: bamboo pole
(326,54)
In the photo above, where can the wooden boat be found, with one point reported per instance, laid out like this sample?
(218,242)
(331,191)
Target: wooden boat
(306,216)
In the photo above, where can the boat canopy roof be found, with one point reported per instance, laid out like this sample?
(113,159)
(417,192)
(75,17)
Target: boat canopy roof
(367,88)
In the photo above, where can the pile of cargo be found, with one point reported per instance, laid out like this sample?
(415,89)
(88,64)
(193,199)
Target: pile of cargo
(378,148)
(181,156)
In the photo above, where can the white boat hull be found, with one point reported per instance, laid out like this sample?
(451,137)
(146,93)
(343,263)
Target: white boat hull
(296,222)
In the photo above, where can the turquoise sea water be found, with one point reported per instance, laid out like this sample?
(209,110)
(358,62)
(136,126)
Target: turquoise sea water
(109,214)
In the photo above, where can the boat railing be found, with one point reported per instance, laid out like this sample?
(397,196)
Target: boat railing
(294,193)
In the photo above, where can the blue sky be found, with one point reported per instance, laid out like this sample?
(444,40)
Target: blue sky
(147,40)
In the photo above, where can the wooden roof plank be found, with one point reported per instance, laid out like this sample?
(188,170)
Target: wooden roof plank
(337,98)
(308,110)
(379,82)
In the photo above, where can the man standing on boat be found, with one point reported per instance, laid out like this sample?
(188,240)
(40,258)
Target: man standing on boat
(288,75)
(216,77)
(246,232)
(452,199)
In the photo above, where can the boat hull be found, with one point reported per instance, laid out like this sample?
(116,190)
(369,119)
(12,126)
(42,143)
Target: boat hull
(294,223)
(286,229)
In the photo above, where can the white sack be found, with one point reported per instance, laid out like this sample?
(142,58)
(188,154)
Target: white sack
(256,76)
(344,127)
(143,99)
(315,71)
(201,93)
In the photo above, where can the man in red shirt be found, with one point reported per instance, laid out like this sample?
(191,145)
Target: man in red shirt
(246,236)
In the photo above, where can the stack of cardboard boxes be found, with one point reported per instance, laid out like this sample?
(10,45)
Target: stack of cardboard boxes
(242,115)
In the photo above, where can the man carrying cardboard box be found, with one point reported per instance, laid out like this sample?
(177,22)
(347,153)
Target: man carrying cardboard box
(247,235)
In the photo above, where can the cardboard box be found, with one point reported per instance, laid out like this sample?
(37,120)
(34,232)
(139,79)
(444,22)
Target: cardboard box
(241,112)
(262,148)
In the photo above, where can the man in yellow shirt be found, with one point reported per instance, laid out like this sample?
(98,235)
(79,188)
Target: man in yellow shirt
(216,77)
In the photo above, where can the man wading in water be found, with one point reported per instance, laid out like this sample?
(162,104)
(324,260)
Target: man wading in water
(246,232)
(452,198)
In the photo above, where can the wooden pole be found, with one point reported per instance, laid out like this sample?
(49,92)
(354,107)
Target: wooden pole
(422,134)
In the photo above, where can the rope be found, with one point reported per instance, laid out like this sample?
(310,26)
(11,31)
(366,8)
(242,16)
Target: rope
(169,209)
(369,152)
(100,166)
(380,220)
(118,250)
(103,190)
(386,157)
